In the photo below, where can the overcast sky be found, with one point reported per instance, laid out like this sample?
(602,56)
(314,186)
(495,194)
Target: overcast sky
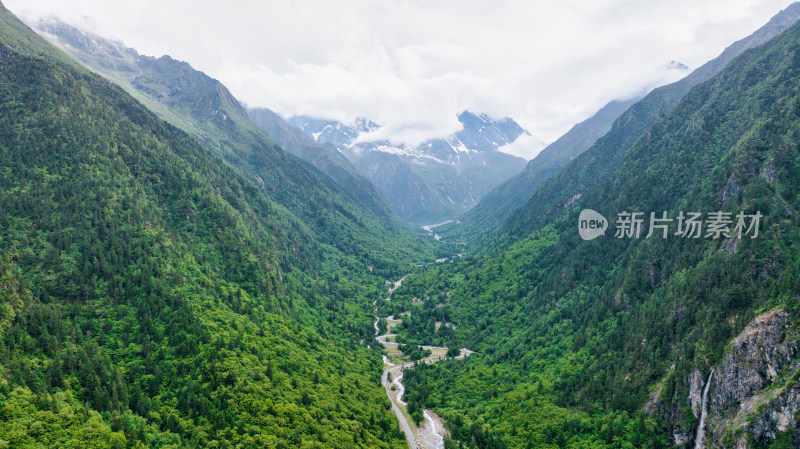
(413,65)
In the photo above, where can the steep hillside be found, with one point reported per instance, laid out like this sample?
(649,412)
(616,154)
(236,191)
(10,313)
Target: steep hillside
(500,207)
(437,179)
(605,156)
(491,212)
(612,342)
(347,214)
(324,157)
(152,296)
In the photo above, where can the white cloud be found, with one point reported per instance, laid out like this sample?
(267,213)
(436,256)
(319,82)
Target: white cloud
(527,146)
(413,65)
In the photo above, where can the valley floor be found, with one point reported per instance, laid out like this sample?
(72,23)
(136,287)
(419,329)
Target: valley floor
(431,434)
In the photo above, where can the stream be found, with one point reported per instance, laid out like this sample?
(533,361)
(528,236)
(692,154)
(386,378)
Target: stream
(429,435)
(433,437)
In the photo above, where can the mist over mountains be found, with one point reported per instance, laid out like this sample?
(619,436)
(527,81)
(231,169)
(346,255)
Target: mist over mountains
(430,183)
(178,270)
(435,180)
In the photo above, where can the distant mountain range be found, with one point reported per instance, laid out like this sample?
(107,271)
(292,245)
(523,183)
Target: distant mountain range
(435,180)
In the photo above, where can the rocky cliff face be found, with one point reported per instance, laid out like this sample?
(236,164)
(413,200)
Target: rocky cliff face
(754,398)
(755,395)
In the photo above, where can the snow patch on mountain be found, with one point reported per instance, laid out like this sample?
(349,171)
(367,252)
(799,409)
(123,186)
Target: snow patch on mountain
(479,133)
(435,179)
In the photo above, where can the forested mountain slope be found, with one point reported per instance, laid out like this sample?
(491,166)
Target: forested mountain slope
(610,342)
(152,296)
(344,210)
(326,158)
(605,156)
(490,213)
(502,205)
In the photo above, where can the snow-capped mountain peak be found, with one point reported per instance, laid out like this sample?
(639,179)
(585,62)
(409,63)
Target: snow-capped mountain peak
(435,179)
(479,133)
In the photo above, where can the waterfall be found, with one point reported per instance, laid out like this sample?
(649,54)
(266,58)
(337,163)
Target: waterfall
(700,440)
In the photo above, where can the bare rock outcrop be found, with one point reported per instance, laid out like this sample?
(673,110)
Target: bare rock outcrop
(754,394)
(754,391)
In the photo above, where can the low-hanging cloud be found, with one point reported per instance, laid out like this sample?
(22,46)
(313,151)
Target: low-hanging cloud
(412,66)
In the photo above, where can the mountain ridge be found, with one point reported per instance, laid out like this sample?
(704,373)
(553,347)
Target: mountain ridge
(596,164)
(503,208)
(205,108)
(325,157)
(483,219)
(152,294)
(608,342)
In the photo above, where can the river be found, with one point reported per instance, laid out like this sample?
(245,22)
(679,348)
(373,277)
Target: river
(430,435)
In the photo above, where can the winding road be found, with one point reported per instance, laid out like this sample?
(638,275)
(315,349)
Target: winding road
(412,440)
(431,434)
